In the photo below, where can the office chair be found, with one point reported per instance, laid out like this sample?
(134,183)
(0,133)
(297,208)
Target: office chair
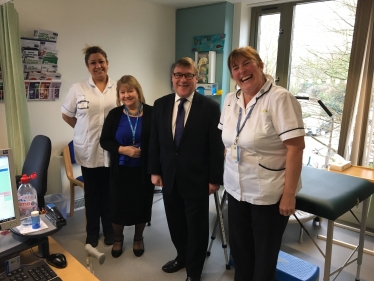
(69,160)
(37,160)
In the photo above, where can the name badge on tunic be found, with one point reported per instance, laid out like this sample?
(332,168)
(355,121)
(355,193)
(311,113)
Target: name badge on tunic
(82,103)
(235,153)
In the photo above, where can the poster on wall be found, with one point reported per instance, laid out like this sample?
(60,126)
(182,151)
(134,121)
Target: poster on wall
(208,43)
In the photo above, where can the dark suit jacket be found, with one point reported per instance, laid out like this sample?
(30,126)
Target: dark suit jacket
(108,142)
(199,158)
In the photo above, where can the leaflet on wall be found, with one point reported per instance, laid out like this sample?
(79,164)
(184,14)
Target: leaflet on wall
(44,90)
(55,90)
(34,90)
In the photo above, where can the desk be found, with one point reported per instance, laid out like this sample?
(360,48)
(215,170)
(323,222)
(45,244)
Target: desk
(330,195)
(74,271)
(359,172)
(16,242)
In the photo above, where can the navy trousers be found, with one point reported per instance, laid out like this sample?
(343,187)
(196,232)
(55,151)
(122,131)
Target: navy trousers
(188,221)
(255,234)
(97,200)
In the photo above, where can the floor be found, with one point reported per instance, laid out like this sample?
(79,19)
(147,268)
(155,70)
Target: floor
(159,249)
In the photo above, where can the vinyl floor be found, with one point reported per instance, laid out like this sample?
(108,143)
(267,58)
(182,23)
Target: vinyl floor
(159,249)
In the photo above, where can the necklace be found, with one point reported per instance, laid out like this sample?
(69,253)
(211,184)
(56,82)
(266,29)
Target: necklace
(134,113)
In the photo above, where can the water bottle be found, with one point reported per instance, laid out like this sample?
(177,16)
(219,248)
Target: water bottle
(27,199)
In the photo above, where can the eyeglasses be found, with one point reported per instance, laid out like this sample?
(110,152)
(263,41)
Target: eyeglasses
(188,76)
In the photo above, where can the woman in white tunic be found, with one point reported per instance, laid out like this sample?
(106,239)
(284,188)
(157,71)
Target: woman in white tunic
(85,108)
(263,133)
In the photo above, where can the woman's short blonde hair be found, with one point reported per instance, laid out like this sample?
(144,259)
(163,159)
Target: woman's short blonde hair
(247,52)
(130,82)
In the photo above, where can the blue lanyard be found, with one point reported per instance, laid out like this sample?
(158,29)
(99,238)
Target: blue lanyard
(238,128)
(133,129)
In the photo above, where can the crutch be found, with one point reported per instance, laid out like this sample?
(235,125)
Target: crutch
(219,221)
(92,252)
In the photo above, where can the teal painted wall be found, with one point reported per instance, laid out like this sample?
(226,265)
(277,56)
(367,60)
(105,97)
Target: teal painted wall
(206,20)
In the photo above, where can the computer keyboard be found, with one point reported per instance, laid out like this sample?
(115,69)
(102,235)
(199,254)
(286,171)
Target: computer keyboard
(38,271)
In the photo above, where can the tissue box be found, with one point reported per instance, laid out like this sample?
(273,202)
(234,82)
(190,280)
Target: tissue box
(340,166)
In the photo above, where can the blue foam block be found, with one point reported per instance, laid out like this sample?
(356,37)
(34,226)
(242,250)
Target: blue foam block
(290,268)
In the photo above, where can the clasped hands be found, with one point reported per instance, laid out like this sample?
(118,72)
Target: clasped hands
(131,151)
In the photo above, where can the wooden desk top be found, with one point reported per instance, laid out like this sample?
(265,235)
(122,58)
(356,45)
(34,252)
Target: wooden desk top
(74,271)
(359,172)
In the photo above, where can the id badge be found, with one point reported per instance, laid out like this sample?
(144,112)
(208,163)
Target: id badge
(82,103)
(235,153)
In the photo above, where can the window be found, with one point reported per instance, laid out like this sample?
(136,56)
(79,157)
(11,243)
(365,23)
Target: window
(307,47)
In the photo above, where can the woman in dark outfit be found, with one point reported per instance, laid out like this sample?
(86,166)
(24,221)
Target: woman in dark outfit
(125,135)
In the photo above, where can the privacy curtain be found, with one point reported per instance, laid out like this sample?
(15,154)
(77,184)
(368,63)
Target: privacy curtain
(17,116)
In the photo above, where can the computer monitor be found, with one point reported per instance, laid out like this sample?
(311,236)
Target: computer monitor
(9,211)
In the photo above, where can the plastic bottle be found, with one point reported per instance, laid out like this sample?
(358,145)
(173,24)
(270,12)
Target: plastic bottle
(27,199)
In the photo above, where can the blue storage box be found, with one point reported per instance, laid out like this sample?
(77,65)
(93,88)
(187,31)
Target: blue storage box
(290,268)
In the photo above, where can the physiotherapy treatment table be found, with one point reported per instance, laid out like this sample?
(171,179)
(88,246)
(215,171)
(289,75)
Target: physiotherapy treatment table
(330,195)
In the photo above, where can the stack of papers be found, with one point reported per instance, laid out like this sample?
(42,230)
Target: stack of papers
(27,229)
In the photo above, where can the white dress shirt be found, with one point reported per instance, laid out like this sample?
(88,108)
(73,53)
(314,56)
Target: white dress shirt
(187,106)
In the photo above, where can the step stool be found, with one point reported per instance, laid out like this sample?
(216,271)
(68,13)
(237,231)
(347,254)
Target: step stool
(290,268)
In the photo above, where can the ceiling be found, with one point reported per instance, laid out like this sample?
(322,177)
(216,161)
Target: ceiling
(178,4)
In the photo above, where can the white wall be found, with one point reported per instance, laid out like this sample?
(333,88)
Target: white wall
(139,39)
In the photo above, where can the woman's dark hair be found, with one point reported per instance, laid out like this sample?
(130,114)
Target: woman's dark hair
(88,51)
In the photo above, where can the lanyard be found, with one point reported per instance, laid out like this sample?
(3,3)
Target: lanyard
(238,128)
(133,129)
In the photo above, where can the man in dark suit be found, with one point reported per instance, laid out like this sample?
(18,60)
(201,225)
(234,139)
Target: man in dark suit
(186,159)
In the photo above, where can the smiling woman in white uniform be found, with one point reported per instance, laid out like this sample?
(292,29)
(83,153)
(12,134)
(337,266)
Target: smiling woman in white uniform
(263,133)
(85,108)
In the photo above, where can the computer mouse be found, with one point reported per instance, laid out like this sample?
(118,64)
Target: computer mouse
(57,260)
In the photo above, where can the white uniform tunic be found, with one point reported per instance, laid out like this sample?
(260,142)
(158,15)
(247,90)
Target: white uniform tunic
(259,176)
(85,101)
